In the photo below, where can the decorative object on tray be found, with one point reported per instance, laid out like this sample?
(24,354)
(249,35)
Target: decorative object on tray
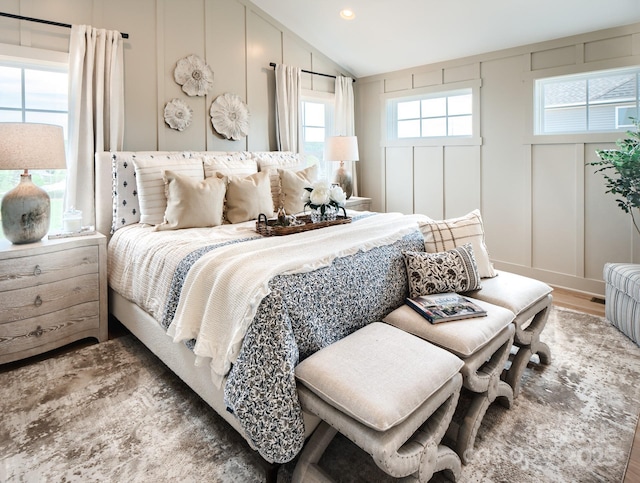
(230,116)
(177,114)
(324,200)
(444,307)
(194,75)
(294,224)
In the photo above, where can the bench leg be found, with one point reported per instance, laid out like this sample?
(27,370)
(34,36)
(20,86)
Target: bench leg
(528,344)
(307,469)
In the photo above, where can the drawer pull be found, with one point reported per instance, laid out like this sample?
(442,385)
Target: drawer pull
(37,271)
(38,332)
(38,301)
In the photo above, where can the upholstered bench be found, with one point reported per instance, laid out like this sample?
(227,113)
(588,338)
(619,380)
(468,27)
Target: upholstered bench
(622,298)
(484,345)
(530,300)
(390,393)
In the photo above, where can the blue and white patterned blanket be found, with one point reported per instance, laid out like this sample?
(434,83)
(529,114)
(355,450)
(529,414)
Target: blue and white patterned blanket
(302,313)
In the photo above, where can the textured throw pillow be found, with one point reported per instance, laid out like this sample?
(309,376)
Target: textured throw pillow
(270,162)
(126,209)
(229,164)
(443,235)
(451,271)
(192,203)
(292,185)
(151,192)
(248,197)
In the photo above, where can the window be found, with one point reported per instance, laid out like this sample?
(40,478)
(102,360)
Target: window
(602,101)
(436,115)
(317,124)
(35,91)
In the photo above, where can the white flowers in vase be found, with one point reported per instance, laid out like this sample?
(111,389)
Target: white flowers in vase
(325,200)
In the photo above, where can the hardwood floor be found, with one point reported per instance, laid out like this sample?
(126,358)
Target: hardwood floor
(585,303)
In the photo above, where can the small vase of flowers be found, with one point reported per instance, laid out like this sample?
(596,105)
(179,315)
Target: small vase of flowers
(324,200)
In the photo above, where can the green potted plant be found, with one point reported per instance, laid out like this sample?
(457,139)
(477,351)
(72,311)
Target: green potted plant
(621,170)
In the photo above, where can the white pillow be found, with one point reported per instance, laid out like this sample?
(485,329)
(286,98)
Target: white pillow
(229,164)
(248,197)
(192,203)
(443,235)
(292,185)
(151,191)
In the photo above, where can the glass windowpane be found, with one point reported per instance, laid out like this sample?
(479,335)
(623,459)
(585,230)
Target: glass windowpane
(409,129)
(434,107)
(10,116)
(459,105)
(409,110)
(460,126)
(314,114)
(10,87)
(314,134)
(436,126)
(45,90)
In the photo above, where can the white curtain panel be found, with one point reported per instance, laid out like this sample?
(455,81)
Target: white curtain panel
(96,110)
(344,118)
(287,107)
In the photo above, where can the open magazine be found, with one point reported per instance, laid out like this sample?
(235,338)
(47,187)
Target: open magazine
(443,307)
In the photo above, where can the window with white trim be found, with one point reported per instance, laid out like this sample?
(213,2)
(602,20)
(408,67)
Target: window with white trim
(601,101)
(35,91)
(316,126)
(434,115)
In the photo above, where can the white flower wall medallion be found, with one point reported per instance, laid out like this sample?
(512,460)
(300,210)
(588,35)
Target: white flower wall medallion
(194,75)
(177,114)
(230,116)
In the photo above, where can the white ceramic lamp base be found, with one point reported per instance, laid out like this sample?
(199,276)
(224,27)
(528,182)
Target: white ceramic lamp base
(25,212)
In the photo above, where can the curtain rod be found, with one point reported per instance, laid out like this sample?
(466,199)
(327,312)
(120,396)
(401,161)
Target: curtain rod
(273,64)
(47,22)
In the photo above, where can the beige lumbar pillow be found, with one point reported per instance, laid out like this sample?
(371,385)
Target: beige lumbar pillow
(248,197)
(192,203)
(292,185)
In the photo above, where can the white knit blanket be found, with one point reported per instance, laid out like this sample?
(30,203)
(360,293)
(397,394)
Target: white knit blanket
(224,288)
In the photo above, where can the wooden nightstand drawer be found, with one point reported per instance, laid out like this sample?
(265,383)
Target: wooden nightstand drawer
(24,338)
(52,292)
(22,272)
(25,303)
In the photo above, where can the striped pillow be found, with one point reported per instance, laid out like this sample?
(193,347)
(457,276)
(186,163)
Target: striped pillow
(151,189)
(229,164)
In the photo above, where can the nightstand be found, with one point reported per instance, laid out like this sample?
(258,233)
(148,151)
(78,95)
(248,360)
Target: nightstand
(358,203)
(52,292)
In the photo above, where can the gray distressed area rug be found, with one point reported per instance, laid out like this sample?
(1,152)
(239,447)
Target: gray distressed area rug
(113,412)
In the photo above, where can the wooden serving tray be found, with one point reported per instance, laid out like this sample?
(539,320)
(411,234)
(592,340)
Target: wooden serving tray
(270,227)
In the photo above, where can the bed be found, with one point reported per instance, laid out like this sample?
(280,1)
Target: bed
(177,289)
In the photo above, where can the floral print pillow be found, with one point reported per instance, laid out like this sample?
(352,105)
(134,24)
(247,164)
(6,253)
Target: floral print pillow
(451,271)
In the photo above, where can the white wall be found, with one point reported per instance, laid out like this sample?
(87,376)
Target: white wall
(234,37)
(546,214)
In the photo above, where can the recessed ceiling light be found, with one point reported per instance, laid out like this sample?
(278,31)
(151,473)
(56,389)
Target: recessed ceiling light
(347,14)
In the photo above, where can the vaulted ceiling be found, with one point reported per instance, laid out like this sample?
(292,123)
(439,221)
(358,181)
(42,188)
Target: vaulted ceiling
(389,35)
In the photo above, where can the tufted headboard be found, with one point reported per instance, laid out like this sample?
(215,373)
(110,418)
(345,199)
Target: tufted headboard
(106,165)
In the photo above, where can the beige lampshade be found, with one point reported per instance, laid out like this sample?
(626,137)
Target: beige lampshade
(341,148)
(31,146)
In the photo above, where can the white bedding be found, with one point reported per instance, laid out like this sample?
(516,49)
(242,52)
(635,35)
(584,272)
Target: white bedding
(223,289)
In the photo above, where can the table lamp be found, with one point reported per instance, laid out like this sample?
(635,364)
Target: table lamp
(342,148)
(26,209)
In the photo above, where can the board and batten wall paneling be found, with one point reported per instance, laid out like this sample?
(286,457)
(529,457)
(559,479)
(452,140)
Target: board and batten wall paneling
(399,177)
(506,166)
(554,208)
(178,18)
(606,239)
(428,181)
(264,41)
(461,180)
(226,54)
